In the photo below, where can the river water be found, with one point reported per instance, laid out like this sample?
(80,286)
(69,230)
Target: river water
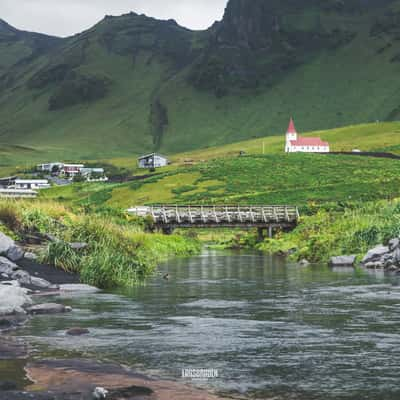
(268,327)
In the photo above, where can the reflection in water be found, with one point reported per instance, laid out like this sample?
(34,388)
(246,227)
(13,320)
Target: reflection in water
(268,327)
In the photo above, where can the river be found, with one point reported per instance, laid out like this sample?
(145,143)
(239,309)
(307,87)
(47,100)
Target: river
(268,327)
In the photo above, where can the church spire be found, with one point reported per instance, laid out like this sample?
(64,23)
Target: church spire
(291,128)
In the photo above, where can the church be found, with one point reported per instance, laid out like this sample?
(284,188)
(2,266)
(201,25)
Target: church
(298,144)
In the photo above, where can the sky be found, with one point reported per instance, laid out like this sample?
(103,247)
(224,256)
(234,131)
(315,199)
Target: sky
(67,17)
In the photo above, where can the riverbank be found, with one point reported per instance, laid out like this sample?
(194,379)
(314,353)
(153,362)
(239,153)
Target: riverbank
(328,231)
(107,248)
(68,379)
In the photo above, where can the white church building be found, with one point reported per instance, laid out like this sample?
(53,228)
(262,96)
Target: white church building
(298,144)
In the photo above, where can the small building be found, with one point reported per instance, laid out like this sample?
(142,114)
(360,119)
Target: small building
(153,160)
(299,144)
(31,184)
(94,174)
(50,167)
(7,182)
(71,170)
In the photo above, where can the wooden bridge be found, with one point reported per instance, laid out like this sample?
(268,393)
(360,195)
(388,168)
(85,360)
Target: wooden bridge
(269,218)
(18,193)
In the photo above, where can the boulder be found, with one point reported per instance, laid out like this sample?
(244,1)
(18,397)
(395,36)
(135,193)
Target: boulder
(396,256)
(78,287)
(5,243)
(342,261)
(22,277)
(304,263)
(77,331)
(48,308)
(375,254)
(40,283)
(13,298)
(7,267)
(100,393)
(30,256)
(78,246)
(374,264)
(15,253)
(394,244)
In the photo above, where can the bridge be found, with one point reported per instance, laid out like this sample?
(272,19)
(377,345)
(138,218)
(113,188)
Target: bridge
(18,193)
(271,218)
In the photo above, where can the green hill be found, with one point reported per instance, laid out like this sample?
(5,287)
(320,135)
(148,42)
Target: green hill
(218,175)
(133,83)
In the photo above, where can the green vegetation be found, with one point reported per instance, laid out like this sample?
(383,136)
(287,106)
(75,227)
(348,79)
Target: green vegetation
(132,83)
(300,179)
(354,230)
(119,252)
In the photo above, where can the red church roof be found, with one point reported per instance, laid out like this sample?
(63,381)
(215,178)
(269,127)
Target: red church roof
(309,141)
(291,128)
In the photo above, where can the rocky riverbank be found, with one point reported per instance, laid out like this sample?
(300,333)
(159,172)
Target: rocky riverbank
(24,284)
(385,257)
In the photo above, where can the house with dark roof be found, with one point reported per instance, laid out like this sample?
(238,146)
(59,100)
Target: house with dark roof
(152,161)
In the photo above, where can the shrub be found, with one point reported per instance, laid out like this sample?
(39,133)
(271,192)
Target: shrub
(9,217)
(61,255)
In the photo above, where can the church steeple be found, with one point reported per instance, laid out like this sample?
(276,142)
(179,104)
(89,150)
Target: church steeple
(291,135)
(291,128)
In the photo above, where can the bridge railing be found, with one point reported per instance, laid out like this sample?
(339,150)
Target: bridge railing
(203,215)
(18,193)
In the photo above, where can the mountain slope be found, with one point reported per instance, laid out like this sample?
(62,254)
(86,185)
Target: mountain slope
(132,83)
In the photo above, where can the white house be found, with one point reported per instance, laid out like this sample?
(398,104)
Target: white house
(49,167)
(153,160)
(298,144)
(32,184)
(94,174)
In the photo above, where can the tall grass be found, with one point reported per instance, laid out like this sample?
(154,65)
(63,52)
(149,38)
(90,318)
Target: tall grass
(353,231)
(118,251)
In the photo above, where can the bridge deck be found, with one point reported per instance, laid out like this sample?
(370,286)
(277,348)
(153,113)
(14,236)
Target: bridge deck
(220,216)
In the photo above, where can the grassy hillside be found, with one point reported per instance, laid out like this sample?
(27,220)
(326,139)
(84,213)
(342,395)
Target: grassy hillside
(219,175)
(132,84)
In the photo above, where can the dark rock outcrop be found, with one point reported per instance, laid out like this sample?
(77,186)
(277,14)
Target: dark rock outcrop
(387,257)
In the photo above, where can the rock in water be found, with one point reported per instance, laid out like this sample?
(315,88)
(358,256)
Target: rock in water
(342,261)
(15,253)
(77,331)
(5,243)
(375,254)
(40,283)
(7,267)
(100,393)
(78,287)
(13,298)
(304,263)
(22,277)
(48,308)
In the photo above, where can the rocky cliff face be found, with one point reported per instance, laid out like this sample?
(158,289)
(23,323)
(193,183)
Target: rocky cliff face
(259,41)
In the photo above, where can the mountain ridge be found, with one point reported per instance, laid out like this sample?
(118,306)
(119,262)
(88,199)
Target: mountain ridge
(133,83)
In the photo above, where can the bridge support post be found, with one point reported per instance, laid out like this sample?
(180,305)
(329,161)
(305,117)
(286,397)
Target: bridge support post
(260,235)
(270,232)
(168,230)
